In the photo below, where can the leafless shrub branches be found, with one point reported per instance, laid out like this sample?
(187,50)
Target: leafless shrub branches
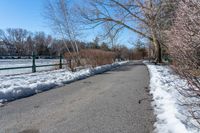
(184,47)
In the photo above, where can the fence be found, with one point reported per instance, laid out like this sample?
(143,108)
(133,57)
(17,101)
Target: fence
(34,65)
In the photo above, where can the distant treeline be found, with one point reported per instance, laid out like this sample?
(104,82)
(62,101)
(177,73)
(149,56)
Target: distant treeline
(20,42)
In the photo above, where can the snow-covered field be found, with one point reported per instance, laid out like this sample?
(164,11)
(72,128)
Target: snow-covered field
(172,116)
(5,63)
(18,86)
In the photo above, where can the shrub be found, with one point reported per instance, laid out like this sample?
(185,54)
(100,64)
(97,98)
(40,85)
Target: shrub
(184,47)
(184,42)
(96,57)
(93,57)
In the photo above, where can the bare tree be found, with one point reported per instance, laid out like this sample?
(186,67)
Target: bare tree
(60,15)
(111,33)
(29,45)
(139,16)
(41,43)
(15,38)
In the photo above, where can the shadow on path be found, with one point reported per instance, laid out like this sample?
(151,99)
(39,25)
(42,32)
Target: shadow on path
(129,66)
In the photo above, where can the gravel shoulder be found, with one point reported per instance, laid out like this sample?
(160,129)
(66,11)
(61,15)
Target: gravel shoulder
(114,102)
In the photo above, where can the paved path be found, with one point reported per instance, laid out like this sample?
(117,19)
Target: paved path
(113,102)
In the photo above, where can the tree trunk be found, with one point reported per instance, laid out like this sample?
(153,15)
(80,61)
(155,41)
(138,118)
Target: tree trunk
(158,54)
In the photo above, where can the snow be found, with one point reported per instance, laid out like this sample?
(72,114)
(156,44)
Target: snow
(18,86)
(171,115)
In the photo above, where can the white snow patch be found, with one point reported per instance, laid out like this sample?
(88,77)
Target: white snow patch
(172,116)
(6,63)
(19,86)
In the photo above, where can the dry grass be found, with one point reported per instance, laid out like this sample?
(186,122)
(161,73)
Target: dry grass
(97,57)
(92,57)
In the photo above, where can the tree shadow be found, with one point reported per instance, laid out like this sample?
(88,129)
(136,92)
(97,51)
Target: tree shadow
(128,67)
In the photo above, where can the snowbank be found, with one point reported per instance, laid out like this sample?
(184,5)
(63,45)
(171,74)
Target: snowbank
(19,86)
(172,116)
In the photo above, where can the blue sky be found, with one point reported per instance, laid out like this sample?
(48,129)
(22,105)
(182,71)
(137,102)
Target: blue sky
(23,14)
(27,14)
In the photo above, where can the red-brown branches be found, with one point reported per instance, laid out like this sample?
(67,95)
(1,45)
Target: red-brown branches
(184,47)
(184,42)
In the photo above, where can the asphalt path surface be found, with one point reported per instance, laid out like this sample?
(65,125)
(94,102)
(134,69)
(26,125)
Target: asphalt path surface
(117,101)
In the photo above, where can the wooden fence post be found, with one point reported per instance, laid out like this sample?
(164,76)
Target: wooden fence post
(33,63)
(70,63)
(60,64)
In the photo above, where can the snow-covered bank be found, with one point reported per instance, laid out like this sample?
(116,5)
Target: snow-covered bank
(15,87)
(172,116)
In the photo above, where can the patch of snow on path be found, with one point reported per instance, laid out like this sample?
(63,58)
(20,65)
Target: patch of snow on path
(19,86)
(171,115)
